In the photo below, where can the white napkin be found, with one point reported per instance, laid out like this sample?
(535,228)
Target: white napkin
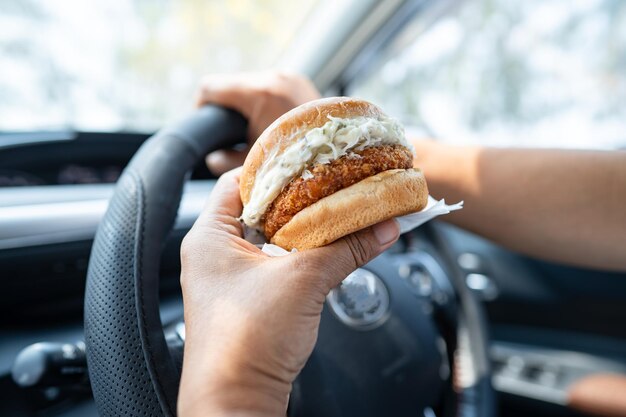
(407,223)
(433,209)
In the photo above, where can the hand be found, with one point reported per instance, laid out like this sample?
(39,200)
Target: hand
(252,320)
(259,97)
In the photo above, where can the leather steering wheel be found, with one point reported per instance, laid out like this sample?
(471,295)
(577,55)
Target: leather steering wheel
(395,365)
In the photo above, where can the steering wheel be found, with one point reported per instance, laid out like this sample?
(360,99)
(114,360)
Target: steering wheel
(381,349)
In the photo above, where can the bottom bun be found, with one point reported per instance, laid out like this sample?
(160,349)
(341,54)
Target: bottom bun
(380,197)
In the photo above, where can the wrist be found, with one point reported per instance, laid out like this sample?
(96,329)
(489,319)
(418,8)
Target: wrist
(214,386)
(227,399)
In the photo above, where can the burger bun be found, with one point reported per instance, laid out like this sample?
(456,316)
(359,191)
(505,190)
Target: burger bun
(377,198)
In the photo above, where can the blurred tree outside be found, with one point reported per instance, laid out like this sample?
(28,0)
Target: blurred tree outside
(500,72)
(533,72)
(132,64)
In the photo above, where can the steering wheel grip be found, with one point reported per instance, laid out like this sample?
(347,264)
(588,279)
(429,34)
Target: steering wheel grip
(138,377)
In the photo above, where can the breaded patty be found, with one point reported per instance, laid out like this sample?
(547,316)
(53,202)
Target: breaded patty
(332,177)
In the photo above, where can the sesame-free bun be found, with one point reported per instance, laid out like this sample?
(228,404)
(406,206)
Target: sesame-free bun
(290,127)
(375,199)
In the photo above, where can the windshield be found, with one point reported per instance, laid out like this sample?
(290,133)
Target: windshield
(129,65)
(501,72)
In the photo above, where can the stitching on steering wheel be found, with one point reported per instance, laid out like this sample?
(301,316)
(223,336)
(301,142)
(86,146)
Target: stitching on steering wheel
(145,340)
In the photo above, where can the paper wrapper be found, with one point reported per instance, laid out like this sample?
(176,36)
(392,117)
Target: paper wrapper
(407,223)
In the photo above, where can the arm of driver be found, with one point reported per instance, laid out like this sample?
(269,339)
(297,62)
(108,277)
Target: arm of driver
(251,320)
(561,205)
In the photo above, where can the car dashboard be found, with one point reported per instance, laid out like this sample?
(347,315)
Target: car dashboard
(552,326)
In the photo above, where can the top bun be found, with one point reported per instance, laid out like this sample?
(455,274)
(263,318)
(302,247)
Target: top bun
(292,125)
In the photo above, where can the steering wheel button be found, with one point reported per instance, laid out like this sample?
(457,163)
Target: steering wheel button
(360,301)
(470,261)
(417,279)
(483,286)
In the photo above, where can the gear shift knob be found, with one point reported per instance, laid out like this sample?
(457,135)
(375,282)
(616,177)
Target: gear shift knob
(46,364)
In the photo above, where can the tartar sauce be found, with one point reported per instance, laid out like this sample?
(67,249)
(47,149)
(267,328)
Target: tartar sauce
(320,145)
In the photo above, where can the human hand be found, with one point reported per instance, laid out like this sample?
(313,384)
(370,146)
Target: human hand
(260,97)
(252,320)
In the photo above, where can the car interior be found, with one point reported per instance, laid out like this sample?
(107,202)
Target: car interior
(94,206)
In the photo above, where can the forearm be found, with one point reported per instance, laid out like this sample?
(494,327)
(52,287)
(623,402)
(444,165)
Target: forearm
(566,206)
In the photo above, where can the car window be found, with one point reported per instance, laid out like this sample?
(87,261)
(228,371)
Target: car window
(128,64)
(501,72)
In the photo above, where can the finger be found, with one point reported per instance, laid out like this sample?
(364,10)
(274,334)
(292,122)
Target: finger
(228,90)
(224,200)
(240,92)
(221,161)
(221,212)
(337,260)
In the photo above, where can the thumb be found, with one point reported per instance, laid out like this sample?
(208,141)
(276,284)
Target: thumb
(342,257)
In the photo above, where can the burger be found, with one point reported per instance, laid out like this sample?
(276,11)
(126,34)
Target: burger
(326,169)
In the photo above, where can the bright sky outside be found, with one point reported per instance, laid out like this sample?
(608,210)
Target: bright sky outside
(128,64)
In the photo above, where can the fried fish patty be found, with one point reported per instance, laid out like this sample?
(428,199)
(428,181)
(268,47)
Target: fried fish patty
(332,177)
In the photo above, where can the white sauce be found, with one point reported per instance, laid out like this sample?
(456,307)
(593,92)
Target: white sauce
(318,146)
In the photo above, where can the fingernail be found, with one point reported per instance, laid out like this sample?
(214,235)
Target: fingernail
(386,231)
